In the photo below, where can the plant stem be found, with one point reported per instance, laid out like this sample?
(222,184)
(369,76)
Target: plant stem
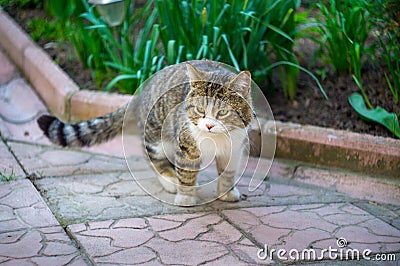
(363,92)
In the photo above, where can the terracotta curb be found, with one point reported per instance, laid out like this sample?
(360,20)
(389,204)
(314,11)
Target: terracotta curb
(362,153)
(357,152)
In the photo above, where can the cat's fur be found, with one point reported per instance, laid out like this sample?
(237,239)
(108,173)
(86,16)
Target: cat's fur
(185,105)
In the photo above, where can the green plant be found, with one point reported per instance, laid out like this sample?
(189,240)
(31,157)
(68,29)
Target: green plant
(87,44)
(388,15)
(242,33)
(388,39)
(377,115)
(118,56)
(343,28)
(123,54)
(391,54)
(64,11)
(5,176)
(43,29)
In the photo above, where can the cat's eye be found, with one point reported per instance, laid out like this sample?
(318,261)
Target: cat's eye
(222,113)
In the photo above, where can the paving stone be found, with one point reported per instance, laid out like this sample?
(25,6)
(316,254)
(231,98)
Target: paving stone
(360,234)
(69,260)
(222,232)
(8,164)
(214,241)
(129,256)
(27,131)
(20,207)
(51,161)
(133,147)
(17,109)
(281,169)
(227,260)
(355,185)
(129,223)
(58,249)
(248,254)
(33,246)
(29,233)
(296,220)
(122,237)
(4,132)
(343,219)
(281,192)
(160,225)
(301,239)
(189,252)
(387,213)
(97,197)
(191,229)
(180,217)
(28,246)
(300,227)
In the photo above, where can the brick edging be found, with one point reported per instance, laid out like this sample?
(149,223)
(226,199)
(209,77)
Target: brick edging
(363,153)
(358,152)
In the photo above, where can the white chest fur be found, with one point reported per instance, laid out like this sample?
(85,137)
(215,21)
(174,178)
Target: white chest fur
(220,145)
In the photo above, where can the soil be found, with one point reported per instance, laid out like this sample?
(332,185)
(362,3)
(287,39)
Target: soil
(310,107)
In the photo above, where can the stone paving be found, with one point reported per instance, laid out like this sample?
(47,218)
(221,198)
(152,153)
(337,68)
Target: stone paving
(83,207)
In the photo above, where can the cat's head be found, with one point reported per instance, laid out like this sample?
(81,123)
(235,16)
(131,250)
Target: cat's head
(219,102)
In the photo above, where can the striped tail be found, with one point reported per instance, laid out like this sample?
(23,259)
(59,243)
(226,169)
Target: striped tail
(85,133)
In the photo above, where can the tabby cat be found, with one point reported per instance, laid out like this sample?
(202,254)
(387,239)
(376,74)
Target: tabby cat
(183,106)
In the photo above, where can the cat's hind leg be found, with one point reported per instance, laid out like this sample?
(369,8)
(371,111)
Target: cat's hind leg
(168,180)
(165,170)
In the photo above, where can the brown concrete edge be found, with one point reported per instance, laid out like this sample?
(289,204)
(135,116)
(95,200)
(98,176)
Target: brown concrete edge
(363,153)
(356,152)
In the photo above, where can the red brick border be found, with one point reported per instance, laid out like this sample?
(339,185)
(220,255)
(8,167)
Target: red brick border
(357,152)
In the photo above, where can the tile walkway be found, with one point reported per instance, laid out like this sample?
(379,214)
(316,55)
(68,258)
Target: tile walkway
(82,207)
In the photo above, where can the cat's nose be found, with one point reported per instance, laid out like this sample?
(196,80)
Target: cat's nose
(209,126)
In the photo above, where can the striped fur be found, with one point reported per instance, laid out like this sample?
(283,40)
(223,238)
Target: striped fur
(183,106)
(83,134)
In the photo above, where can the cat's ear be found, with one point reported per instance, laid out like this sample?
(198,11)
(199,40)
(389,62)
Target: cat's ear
(193,73)
(241,83)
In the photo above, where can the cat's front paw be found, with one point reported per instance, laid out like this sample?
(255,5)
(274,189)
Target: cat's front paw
(232,195)
(185,200)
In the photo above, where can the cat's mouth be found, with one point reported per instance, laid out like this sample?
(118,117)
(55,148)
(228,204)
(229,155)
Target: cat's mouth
(210,126)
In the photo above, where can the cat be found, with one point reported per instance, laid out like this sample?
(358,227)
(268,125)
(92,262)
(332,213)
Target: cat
(186,104)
